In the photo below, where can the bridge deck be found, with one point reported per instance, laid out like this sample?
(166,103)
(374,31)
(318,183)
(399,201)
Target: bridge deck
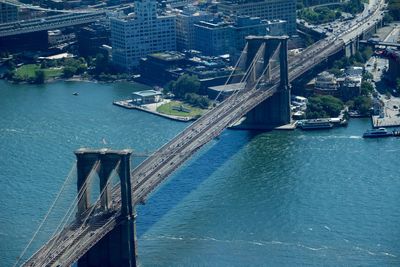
(78,239)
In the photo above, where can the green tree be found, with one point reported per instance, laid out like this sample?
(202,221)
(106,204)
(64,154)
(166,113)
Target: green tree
(43,65)
(39,77)
(366,88)
(69,71)
(367,53)
(186,84)
(101,63)
(323,106)
(336,72)
(363,104)
(367,76)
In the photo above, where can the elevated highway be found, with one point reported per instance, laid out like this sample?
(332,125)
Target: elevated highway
(49,23)
(75,240)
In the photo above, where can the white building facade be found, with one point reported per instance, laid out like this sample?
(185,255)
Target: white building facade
(265,9)
(142,33)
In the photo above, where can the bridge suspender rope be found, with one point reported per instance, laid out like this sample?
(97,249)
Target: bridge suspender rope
(112,174)
(84,187)
(73,205)
(232,99)
(85,219)
(70,174)
(137,171)
(234,69)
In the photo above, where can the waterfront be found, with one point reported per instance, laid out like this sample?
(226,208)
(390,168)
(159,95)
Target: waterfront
(272,199)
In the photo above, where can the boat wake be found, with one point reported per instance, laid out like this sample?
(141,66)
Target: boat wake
(269,243)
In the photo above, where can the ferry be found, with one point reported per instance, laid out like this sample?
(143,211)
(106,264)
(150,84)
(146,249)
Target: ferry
(316,124)
(377,133)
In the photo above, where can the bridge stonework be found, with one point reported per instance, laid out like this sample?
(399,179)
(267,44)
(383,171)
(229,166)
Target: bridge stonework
(117,248)
(274,111)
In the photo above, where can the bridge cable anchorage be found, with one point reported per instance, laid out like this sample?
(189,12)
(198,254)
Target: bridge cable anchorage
(84,225)
(70,174)
(71,208)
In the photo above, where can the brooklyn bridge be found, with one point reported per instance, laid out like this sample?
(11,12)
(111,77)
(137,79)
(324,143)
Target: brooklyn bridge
(102,232)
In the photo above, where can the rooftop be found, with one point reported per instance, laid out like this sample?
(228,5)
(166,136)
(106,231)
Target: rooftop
(147,93)
(168,56)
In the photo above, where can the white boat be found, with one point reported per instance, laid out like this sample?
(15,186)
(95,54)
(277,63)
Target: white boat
(377,133)
(316,124)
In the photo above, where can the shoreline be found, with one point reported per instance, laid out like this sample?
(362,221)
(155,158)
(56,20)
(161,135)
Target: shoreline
(126,104)
(72,79)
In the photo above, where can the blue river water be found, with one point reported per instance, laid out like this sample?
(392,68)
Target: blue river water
(321,198)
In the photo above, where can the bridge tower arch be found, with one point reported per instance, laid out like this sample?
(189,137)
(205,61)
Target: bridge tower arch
(117,248)
(274,111)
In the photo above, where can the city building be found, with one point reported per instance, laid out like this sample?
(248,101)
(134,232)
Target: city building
(320,2)
(146,97)
(245,26)
(178,3)
(8,13)
(56,37)
(393,72)
(92,38)
(214,38)
(277,27)
(350,87)
(218,37)
(211,71)
(326,84)
(168,66)
(185,30)
(266,9)
(136,35)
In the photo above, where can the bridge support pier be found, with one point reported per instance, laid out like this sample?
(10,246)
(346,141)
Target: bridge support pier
(118,247)
(274,111)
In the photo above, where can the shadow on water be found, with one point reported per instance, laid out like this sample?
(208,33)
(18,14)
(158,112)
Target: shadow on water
(201,166)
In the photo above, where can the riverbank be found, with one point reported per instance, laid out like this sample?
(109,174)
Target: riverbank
(152,109)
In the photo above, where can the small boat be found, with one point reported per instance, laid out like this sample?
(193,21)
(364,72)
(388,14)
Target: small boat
(75,93)
(316,124)
(377,133)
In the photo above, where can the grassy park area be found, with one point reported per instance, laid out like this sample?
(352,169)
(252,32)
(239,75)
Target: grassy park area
(27,72)
(173,108)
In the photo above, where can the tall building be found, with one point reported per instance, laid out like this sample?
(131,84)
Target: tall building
(8,13)
(265,9)
(214,38)
(91,38)
(220,37)
(136,35)
(185,29)
(245,26)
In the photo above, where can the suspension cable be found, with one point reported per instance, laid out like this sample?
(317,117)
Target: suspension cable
(46,216)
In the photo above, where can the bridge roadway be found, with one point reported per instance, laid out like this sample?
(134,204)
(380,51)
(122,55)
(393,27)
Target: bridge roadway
(38,8)
(75,240)
(380,43)
(49,23)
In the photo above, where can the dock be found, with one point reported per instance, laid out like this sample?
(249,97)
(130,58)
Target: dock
(387,121)
(128,105)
